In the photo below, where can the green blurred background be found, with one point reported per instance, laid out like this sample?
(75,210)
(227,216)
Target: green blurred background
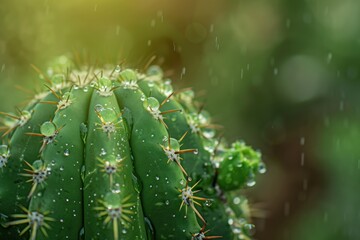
(282,75)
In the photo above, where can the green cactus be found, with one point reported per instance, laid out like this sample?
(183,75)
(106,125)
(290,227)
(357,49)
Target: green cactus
(114,154)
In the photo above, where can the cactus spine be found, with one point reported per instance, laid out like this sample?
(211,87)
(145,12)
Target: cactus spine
(116,154)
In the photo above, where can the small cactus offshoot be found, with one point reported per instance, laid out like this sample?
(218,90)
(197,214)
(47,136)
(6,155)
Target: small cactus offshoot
(116,153)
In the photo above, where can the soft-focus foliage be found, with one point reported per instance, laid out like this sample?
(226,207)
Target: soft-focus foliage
(282,74)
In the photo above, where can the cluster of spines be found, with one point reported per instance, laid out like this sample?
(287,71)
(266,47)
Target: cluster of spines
(105,87)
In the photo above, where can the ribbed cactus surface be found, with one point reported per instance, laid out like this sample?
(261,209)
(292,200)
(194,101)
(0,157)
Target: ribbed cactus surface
(115,154)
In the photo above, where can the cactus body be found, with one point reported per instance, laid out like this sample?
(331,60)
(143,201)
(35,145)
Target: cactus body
(111,155)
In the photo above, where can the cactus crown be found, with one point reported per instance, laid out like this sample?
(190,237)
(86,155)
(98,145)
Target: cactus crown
(115,154)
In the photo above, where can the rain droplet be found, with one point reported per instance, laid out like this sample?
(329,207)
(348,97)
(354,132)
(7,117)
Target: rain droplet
(174,144)
(155,70)
(251,180)
(66,152)
(103,152)
(48,129)
(249,229)
(262,168)
(128,75)
(99,107)
(208,202)
(151,103)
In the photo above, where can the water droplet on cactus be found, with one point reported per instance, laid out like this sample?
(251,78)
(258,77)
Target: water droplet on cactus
(82,172)
(262,168)
(152,104)
(109,115)
(128,75)
(249,229)
(66,152)
(187,95)
(38,164)
(116,188)
(24,118)
(155,70)
(4,155)
(105,82)
(151,84)
(174,144)
(4,151)
(208,202)
(103,152)
(209,133)
(137,184)
(209,145)
(48,129)
(82,233)
(67,95)
(4,219)
(83,131)
(250,181)
(149,228)
(167,88)
(112,199)
(58,79)
(99,107)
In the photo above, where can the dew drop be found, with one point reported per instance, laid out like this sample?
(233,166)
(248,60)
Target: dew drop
(262,168)
(208,202)
(48,129)
(174,144)
(151,103)
(249,229)
(155,71)
(250,182)
(109,115)
(103,152)
(128,75)
(66,152)
(99,107)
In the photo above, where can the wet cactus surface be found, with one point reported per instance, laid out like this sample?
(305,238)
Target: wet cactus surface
(115,153)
